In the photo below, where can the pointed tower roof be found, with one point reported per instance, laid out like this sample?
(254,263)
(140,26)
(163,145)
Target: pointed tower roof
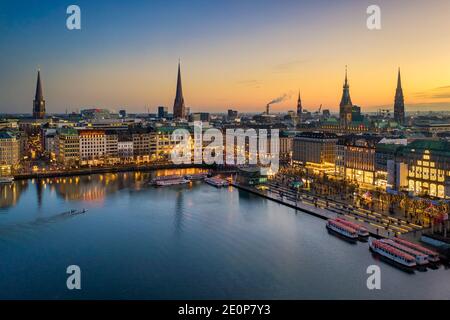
(346,100)
(39,95)
(179,94)
(178,105)
(399,80)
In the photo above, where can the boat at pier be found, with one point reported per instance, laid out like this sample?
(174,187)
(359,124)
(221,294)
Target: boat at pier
(217,182)
(362,232)
(342,229)
(392,254)
(171,182)
(6,180)
(421,258)
(196,176)
(432,255)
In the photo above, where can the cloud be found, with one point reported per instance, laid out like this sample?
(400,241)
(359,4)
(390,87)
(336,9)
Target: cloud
(250,83)
(436,93)
(287,67)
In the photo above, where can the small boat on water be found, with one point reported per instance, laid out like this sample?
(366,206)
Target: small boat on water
(342,229)
(217,182)
(362,232)
(392,254)
(6,180)
(196,176)
(421,258)
(432,255)
(171,182)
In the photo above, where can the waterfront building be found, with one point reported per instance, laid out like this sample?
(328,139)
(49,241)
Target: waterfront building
(92,146)
(125,148)
(112,139)
(286,146)
(389,172)
(179,110)
(346,106)
(315,151)
(49,138)
(250,176)
(399,103)
(141,137)
(428,164)
(9,152)
(68,151)
(39,102)
(355,158)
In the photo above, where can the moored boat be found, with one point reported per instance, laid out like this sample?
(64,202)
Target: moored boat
(6,180)
(432,255)
(362,232)
(217,182)
(421,258)
(391,253)
(196,176)
(342,229)
(171,182)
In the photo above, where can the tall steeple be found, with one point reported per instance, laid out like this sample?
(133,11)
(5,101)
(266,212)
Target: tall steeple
(345,107)
(399,103)
(299,108)
(179,110)
(346,100)
(39,102)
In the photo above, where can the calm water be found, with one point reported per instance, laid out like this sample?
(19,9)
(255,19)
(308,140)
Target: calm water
(189,242)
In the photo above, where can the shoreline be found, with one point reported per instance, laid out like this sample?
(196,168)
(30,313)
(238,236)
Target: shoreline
(88,171)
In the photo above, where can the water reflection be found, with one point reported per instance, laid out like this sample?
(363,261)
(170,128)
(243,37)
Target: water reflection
(10,193)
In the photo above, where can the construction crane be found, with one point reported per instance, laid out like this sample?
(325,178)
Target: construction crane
(318,111)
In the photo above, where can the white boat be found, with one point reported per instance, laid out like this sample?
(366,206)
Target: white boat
(6,180)
(172,182)
(362,232)
(196,176)
(217,182)
(342,229)
(421,258)
(432,255)
(391,253)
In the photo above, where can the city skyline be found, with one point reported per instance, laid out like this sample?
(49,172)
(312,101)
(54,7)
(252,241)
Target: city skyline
(124,70)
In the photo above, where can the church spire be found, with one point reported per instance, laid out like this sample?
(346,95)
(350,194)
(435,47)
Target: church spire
(299,107)
(346,100)
(178,105)
(346,106)
(39,96)
(399,103)
(39,102)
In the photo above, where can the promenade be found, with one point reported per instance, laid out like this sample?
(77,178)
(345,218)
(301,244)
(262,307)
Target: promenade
(378,224)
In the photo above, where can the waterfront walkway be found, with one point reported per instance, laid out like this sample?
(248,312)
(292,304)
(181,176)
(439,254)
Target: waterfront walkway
(379,225)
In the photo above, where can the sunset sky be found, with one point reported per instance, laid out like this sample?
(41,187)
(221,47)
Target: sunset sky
(234,54)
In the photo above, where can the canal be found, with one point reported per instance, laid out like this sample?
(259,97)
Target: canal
(181,242)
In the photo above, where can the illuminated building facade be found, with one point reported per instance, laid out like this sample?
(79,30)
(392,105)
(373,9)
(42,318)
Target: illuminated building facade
(68,151)
(355,158)
(315,151)
(428,164)
(92,147)
(9,151)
